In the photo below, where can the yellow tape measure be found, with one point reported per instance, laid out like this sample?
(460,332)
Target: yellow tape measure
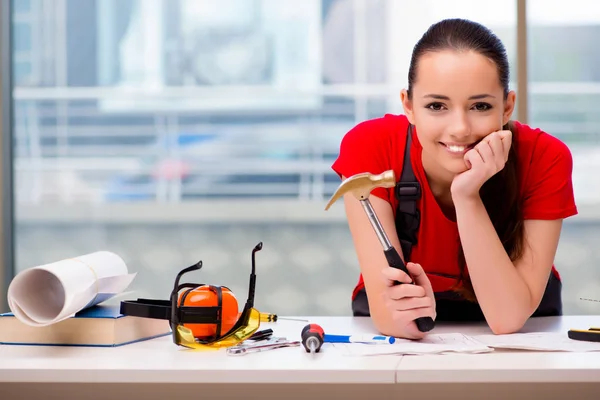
(587,335)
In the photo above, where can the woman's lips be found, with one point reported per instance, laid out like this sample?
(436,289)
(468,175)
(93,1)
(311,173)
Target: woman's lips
(458,148)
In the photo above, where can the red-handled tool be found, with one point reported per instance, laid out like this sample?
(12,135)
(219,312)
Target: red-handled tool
(312,338)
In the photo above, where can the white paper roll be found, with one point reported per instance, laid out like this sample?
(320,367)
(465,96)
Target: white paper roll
(50,293)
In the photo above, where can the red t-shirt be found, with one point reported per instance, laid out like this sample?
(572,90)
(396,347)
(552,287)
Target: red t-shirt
(377,145)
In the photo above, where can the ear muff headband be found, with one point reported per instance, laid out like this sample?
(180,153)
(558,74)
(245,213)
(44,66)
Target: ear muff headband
(193,314)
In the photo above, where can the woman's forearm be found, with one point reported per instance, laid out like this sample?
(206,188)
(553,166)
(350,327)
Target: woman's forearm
(503,295)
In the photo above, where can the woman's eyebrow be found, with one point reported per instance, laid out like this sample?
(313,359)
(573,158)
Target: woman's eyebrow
(475,97)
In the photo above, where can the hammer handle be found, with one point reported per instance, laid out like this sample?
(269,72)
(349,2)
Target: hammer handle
(425,324)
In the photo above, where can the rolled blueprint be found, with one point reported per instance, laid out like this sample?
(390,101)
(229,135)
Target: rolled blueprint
(50,293)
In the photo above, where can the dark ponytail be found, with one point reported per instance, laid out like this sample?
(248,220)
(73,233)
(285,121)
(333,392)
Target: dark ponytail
(500,194)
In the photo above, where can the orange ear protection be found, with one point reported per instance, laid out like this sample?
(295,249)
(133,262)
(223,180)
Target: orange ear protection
(211,296)
(209,312)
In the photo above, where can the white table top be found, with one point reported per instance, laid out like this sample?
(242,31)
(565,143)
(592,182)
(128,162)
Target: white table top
(160,360)
(507,365)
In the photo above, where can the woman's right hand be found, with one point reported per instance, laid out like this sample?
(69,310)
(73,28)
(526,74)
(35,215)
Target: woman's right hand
(407,302)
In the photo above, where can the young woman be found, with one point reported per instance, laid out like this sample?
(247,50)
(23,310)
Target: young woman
(494,193)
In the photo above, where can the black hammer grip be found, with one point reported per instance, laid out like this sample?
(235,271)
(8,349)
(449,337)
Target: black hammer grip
(425,324)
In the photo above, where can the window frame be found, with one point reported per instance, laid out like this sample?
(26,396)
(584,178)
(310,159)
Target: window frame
(6,154)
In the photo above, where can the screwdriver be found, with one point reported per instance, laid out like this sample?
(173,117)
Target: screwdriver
(312,338)
(266,317)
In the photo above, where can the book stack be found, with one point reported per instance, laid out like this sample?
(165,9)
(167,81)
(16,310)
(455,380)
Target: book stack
(97,326)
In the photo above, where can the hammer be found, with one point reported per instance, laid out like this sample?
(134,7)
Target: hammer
(361,186)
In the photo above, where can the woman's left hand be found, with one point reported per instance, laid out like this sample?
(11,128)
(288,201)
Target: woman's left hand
(483,161)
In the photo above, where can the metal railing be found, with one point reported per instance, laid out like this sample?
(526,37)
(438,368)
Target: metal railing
(68,148)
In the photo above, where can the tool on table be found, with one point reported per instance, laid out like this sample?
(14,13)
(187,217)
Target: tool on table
(243,349)
(202,316)
(587,335)
(371,339)
(361,186)
(261,335)
(265,317)
(312,338)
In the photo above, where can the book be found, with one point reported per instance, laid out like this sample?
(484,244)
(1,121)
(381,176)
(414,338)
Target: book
(97,326)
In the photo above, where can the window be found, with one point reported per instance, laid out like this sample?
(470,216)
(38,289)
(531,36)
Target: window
(564,84)
(191,132)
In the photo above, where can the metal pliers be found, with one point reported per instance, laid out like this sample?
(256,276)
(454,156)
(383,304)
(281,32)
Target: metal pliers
(270,344)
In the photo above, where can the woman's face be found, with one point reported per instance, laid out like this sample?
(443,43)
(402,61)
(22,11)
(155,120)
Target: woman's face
(457,100)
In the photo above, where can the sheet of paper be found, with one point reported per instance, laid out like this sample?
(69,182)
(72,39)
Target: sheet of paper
(50,293)
(431,344)
(540,341)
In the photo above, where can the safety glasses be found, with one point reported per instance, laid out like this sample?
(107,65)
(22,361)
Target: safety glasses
(246,325)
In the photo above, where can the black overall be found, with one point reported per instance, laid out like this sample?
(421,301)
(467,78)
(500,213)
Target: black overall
(450,306)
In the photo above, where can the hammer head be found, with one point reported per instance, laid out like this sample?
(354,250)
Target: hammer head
(361,185)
